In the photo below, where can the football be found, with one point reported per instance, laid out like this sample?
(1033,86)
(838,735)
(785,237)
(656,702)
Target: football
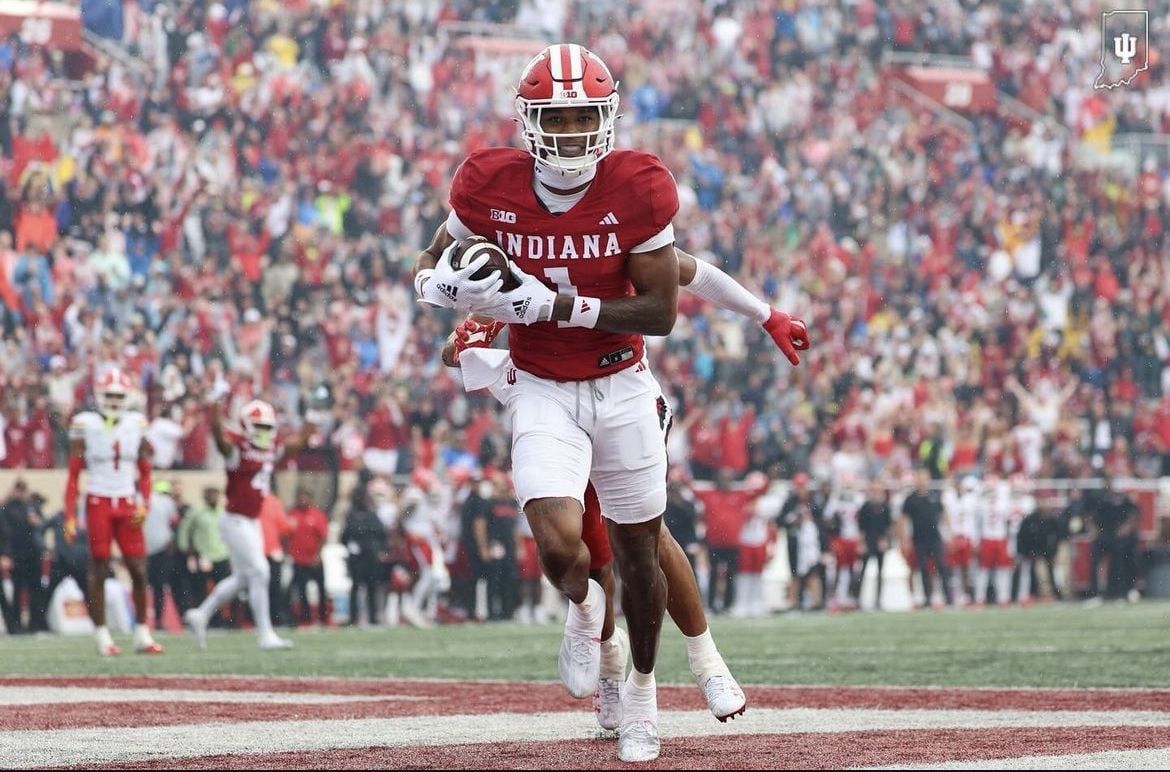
(472,248)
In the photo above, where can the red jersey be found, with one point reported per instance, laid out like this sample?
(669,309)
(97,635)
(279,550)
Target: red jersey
(249,476)
(582,251)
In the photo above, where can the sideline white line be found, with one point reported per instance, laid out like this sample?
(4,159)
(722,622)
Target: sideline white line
(48,695)
(24,748)
(1156,758)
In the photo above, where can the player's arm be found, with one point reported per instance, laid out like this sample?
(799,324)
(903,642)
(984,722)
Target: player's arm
(76,464)
(145,454)
(218,433)
(430,254)
(712,284)
(652,311)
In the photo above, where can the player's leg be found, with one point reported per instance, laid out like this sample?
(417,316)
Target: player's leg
(629,473)
(225,589)
(250,548)
(685,606)
(132,543)
(101,536)
(551,457)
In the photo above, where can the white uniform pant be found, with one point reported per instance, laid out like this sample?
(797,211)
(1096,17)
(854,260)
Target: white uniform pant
(245,543)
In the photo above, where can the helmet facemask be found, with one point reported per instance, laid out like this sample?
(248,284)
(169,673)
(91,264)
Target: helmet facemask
(261,436)
(548,148)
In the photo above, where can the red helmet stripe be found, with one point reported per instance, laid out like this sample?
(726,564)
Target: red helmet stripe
(566,60)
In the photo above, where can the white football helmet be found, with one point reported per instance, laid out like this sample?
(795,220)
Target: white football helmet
(259,421)
(111,392)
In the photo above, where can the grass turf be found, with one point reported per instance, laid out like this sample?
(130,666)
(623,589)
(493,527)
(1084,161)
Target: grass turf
(1049,646)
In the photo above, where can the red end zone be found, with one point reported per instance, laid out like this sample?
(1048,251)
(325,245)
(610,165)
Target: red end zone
(282,723)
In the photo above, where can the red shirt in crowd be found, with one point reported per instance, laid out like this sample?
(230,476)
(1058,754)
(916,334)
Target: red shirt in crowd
(14,442)
(309,530)
(38,439)
(726,511)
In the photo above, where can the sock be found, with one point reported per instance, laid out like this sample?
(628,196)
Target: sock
(613,656)
(702,655)
(588,615)
(141,634)
(641,683)
(102,634)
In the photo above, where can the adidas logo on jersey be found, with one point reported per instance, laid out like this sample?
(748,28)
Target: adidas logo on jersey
(609,219)
(450,290)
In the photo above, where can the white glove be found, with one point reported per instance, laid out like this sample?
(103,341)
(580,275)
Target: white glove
(444,287)
(531,302)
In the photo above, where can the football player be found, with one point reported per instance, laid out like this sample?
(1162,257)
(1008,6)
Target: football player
(590,234)
(724,696)
(251,455)
(110,447)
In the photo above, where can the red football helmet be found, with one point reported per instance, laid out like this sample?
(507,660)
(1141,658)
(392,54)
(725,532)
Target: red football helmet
(111,390)
(567,75)
(259,420)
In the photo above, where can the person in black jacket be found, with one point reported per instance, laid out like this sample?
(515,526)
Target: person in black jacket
(474,516)
(7,608)
(1115,516)
(680,517)
(68,558)
(365,539)
(922,511)
(25,525)
(802,498)
(875,522)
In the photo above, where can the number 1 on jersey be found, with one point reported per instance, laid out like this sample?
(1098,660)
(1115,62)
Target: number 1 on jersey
(560,277)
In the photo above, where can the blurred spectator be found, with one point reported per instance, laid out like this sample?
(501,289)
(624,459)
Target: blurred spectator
(276,526)
(9,608)
(1115,518)
(499,534)
(159,531)
(875,522)
(310,528)
(364,538)
(800,500)
(922,514)
(198,539)
(69,559)
(25,524)
(726,510)
(681,516)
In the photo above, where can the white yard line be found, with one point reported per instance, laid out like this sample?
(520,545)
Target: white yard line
(23,748)
(1155,758)
(48,695)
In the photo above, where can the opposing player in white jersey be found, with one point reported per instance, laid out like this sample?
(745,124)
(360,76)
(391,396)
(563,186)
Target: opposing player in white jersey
(995,557)
(251,456)
(841,514)
(109,446)
(963,509)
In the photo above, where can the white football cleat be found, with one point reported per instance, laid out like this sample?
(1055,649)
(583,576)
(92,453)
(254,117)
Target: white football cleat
(579,663)
(198,627)
(638,736)
(273,642)
(724,697)
(108,650)
(607,700)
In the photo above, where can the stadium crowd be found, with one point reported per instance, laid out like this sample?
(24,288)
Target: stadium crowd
(244,194)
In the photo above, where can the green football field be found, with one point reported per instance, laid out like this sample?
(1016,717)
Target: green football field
(1054,646)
